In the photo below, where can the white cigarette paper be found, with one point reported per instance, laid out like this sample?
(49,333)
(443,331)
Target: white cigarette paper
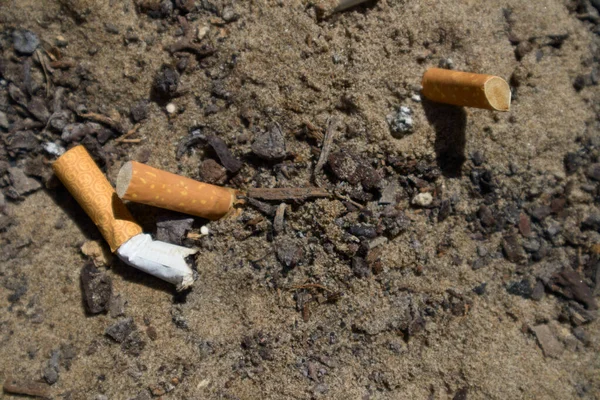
(162,260)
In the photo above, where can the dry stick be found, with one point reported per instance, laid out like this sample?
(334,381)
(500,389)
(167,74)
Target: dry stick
(325,149)
(278,221)
(466,89)
(26,387)
(281,194)
(43,64)
(102,119)
(123,139)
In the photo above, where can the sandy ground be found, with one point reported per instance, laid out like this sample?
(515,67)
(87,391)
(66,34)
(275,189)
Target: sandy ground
(239,333)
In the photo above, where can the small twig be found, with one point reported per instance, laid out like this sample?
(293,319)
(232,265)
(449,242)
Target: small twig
(349,200)
(43,64)
(132,131)
(102,119)
(26,387)
(325,149)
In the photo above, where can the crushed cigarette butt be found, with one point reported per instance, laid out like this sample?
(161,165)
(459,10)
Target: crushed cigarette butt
(466,89)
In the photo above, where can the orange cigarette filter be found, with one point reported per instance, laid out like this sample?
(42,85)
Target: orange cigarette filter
(81,176)
(466,89)
(141,183)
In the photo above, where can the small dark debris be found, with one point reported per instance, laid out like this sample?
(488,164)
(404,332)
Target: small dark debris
(25,41)
(289,253)
(352,169)
(520,288)
(570,284)
(593,172)
(97,288)
(461,394)
(51,371)
(591,223)
(212,172)
(485,216)
(139,111)
(166,83)
(120,330)
(480,290)
(360,267)
(270,145)
(513,251)
(133,344)
(227,159)
(172,228)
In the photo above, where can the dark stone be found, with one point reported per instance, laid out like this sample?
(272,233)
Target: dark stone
(17,95)
(166,83)
(212,172)
(139,111)
(97,288)
(51,370)
(111,28)
(25,42)
(524,225)
(445,210)
(270,145)
(520,288)
(477,158)
(572,162)
(22,184)
(360,267)
(539,213)
(485,216)
(21,142)
(570,284)
(513,251)
(483,180)
(461,394)
(481,289)
(591,223)
(364,231)
(37,108)
(227,159)
(593,172)
(352,169)
(133,344)
(538,291)
(74,132)
(120,330)
(394,222)
(289,253)
(60,119)
(172,228)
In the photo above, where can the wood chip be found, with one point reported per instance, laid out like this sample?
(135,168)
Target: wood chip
(278,222)
(281,194)
(26,387)
(326,148)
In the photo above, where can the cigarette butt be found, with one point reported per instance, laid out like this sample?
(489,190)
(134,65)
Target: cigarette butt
(88,185)
(143,184)
(466,89)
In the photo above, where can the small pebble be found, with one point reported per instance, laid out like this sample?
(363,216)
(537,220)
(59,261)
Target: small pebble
(53,148)
(203,31)
(401,122)
(25,42)
(423,200)
(61,41)
(204,230)
(171,108)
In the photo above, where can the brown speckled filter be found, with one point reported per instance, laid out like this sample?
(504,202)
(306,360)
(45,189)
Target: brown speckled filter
(466,89)
(81,176)
(143,184)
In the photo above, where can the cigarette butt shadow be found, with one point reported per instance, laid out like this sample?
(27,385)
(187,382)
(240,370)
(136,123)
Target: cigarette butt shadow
(73,211)
(450,124)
